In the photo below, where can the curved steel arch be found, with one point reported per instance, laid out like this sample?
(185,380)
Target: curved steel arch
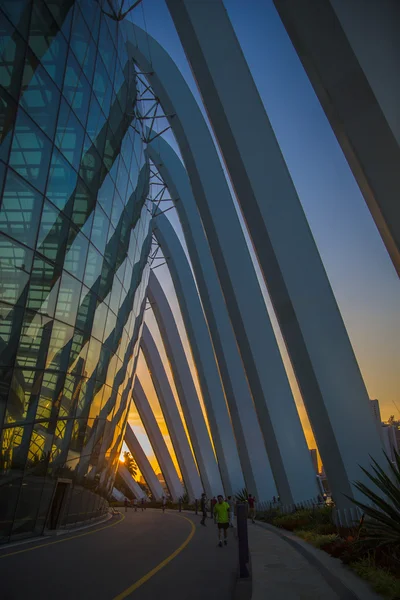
(203,354)
(157,441)
(278,417)
(252,452)
(195,422)
(171,415)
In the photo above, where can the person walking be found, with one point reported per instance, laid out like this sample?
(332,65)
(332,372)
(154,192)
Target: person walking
(126,504)
(221,518)
(203,508)
(142,506)
(231,502)
(163,503)
(213,503)
(252,506)
(135,504)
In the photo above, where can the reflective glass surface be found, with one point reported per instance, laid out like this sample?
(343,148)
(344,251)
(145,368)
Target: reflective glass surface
(74,245)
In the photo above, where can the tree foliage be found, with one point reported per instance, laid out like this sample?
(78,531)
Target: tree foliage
(130,463)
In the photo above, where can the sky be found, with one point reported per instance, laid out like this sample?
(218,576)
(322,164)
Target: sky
(362,276)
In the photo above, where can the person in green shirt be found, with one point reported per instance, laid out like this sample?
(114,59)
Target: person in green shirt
(221,517)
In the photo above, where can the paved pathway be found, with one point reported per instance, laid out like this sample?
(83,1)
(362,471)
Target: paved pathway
(106,561)
(287,568)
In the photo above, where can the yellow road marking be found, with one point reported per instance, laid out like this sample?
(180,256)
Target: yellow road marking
(66,539)
(162,564)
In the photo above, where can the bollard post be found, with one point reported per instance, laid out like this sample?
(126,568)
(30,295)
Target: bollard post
(241,513)
(196,505)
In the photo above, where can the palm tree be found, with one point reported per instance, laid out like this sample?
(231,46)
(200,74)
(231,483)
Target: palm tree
(130,463)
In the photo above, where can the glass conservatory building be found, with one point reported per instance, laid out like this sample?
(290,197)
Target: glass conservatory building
(74,244)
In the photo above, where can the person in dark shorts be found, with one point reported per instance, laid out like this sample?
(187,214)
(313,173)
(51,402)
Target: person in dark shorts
(203,508)
(221,518)
(252,507)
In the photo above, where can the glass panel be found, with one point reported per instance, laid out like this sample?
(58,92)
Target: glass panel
(10,328)
(5,381)
(18,11)
(106,194)
(34,340)
(99,321)
(69,135)
(8,109)
(94,265)
(40,97)
(117,209)
(62,182)
(92,357)
(86,310)
(12,56)
(75,259)
(81,99)
(15,265)
(20,211)
(106,46)
(78,353)
(43,289)
(47,42)
(102,86)
(69,395)
(91,169)
(95,120)
(30,151)
(23,396)
(100,229)
(68,299)
(53,233)
(59,347)
(84,203)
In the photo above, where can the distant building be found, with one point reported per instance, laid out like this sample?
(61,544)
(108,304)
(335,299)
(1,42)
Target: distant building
(390,440)
(376,411)
(314,458)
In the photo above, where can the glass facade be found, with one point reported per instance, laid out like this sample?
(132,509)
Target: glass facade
(74,245)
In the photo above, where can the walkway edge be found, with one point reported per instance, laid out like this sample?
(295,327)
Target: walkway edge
(343,581)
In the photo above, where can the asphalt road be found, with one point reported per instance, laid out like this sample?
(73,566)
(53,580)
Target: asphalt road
(140,556)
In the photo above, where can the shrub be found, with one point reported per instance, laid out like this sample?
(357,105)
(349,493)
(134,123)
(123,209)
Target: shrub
(382,581)
(318,519)
(296,520)
(316,539)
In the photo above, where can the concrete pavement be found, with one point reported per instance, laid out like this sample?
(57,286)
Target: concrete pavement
(142,555)
(284,567)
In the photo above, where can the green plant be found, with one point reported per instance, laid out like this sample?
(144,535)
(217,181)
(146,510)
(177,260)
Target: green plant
(382,581)
(383,523)
(316,539)
(297,520)
(242,495)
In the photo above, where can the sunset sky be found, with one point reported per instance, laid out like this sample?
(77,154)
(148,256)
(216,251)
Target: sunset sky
(364,281)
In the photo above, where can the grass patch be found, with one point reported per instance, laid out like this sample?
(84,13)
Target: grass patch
(316,539)
(381,580)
